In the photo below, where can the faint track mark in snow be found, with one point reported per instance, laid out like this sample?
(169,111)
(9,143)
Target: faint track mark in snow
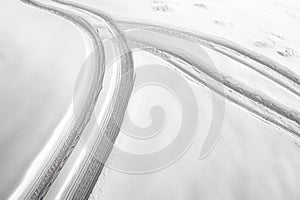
(201,5)
(277,44)
(287,52)
(261,44)
(161,6)
(223,23)
(277,36)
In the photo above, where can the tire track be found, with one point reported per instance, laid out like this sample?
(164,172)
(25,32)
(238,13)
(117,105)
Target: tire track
(262,64)
(93,163)
(50,170)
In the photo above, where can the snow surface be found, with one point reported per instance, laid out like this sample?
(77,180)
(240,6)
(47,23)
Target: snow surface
(40,55)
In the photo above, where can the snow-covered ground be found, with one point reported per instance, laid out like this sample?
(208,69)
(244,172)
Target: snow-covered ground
(252,160)
(40,55)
